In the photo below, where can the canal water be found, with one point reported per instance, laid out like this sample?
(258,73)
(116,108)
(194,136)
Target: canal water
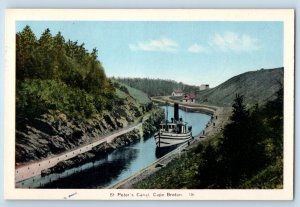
(116,166)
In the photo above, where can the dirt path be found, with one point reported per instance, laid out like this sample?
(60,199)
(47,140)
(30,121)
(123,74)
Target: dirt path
(220,117)
(29,170)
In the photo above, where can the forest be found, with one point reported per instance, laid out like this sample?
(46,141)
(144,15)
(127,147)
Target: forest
(158,87)
(57,74)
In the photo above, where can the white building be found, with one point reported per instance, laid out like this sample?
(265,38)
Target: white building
(177,93)
(204,87)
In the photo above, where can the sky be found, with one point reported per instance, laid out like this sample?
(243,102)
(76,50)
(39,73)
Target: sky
(193,52)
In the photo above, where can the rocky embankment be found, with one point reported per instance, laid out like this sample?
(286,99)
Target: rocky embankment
(149,126)
(97,152)
(54,132)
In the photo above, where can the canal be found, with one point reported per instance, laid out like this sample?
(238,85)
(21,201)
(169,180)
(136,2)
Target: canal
(115,166)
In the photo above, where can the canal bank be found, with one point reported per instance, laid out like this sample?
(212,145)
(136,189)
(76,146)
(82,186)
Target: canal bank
(192,107)
(59,162)
(220,117)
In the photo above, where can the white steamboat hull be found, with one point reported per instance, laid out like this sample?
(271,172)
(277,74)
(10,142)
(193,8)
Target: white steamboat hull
(166,139)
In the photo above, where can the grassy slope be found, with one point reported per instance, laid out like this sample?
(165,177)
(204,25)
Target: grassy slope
(268,178)
(138,95)
(257,87)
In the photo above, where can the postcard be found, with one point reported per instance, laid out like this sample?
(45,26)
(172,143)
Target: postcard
(149,104)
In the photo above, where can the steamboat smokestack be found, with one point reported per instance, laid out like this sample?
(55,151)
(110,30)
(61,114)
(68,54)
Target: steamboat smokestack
(176,113)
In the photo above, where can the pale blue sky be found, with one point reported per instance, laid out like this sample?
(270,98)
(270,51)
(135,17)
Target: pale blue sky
(191,52)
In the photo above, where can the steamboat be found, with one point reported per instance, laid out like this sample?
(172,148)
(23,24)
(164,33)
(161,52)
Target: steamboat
(174,132)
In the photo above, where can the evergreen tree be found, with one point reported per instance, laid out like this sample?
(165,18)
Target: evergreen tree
(273,110)
(26,43)
(59,55)
(47,55)
(241,152)
(242,148)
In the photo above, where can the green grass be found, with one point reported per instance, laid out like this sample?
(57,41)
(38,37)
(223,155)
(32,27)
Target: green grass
(269,178)
(121,94)
(177,174)
(139,96)
(256,86)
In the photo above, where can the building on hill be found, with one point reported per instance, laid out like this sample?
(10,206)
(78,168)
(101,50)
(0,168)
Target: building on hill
(204,87)
(177,93)
(189,98)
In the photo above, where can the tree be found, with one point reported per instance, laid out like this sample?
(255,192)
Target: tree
(25,45)
(59,55)
(208,170)
(242,148)
(273,110)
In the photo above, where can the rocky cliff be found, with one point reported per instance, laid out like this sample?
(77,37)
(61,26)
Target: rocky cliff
(149,126)
(54,132)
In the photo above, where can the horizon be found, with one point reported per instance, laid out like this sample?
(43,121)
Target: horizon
(194,53)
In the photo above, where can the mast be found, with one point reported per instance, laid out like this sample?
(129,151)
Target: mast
(176,112)
(167,111)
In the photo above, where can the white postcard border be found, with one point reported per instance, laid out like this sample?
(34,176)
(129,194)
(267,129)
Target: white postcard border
(13,15)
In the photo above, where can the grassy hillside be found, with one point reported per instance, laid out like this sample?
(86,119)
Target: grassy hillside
(257,87)
(123,90)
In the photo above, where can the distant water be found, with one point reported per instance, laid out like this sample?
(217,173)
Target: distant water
(116,166)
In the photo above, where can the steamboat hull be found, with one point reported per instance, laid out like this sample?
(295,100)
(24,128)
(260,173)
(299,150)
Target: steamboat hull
(171,139)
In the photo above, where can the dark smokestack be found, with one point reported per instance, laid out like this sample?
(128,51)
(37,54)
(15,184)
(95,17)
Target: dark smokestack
(176,113)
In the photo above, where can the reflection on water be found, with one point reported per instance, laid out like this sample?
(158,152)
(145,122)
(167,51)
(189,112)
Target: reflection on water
(98,176)
(116,166)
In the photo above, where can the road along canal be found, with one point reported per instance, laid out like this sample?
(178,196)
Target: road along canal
(116,166)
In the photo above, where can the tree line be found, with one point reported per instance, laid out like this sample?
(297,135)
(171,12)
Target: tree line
(158,87)
(59,74)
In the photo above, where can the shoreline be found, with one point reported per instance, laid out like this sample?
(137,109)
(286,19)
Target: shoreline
(201,108)
(28,170)
(220,118)
(35,168)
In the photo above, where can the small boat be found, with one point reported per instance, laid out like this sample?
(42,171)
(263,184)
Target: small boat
(174,132)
